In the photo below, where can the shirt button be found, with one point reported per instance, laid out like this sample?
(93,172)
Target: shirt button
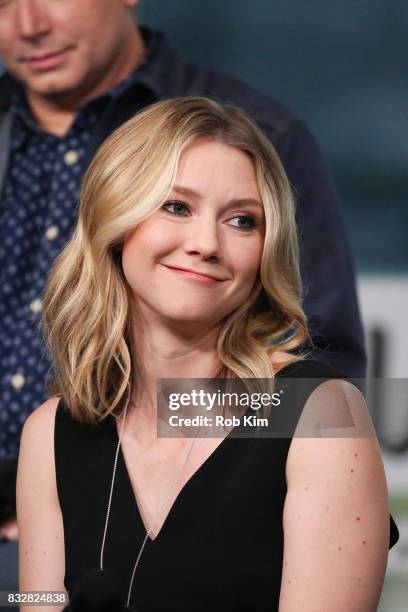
(52,232)
(17,380)
(71,158)
(36,306)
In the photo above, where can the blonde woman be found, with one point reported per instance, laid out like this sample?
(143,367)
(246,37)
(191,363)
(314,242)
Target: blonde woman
(184,264)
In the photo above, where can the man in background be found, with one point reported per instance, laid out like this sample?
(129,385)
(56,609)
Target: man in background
(76,70)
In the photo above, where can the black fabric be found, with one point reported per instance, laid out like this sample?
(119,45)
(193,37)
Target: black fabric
(97,591)
(221,546)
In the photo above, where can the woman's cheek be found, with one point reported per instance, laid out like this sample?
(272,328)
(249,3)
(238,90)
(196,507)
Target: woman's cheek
(249,263)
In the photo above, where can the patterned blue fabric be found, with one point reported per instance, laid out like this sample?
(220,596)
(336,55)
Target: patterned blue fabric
(38,216)
(39,205)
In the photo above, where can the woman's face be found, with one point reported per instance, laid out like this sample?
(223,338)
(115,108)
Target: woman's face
(195,260)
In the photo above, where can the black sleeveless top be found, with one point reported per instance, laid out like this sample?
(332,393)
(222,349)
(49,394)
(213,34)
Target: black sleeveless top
(221,545)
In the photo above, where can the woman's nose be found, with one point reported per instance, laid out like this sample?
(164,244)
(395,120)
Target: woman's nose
(202,237)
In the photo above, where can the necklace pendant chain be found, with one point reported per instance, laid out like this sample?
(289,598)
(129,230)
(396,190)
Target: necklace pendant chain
(170,490)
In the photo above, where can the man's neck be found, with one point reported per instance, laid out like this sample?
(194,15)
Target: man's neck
(56,114)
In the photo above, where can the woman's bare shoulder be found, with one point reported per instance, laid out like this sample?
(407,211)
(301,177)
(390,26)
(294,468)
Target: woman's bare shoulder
(43,415)
(335,415)
(37,437)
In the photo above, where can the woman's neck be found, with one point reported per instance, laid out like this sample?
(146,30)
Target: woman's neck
(162,353)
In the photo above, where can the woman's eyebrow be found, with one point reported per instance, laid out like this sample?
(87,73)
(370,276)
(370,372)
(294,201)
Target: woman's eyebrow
(187,191)
(245,202)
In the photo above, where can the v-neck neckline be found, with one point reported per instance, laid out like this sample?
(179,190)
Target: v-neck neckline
(181,494)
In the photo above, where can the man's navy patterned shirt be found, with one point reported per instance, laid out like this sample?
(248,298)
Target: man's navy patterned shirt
(39,209)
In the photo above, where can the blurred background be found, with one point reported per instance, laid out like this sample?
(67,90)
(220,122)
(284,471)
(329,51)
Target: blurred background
(341,65)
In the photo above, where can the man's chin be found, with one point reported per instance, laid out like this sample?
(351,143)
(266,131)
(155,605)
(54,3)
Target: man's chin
(60,91)
(49,86)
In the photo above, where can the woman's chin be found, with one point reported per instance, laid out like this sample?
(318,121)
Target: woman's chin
(191,321)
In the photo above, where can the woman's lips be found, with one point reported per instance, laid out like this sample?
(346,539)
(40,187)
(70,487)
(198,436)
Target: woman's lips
(47,62)
(200,278)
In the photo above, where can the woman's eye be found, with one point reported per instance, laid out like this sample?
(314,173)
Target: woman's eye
(244,222)
(176,208)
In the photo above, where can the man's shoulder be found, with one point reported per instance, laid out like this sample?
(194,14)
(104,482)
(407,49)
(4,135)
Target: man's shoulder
(174,76)
(266,110)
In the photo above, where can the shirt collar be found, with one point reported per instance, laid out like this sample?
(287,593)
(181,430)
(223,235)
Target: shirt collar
(23,121)
(19,106)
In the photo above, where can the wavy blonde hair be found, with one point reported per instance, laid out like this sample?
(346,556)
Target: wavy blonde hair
(86,314)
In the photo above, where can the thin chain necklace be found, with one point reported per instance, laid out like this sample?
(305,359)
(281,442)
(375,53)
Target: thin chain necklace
(170,490)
